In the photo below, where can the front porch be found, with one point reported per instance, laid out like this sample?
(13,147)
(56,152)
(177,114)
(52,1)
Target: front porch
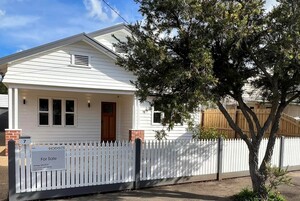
(57,115)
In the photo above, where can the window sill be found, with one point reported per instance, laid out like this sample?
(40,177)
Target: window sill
(70,126)
(43,126)
(79,66)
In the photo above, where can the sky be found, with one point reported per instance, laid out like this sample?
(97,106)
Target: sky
(29,23)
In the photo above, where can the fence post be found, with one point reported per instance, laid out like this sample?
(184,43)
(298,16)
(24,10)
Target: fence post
(281,153)
(220,158)
(138,145)
(202,118)
(236,122)
(11,170)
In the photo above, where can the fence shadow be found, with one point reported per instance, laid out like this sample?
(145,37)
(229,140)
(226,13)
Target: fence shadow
(149,193)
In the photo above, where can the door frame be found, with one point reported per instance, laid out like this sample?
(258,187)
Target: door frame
(115,117)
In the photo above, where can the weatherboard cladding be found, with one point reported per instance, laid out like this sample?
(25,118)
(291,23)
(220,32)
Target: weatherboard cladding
(53,68)
(57,44)
(145,123)
(87,120)
(3,101)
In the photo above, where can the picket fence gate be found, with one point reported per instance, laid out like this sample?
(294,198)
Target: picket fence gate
(92,167)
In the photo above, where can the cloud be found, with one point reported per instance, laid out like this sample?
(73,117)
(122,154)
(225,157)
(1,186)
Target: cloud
(96,10)
(15,21)
(2,13)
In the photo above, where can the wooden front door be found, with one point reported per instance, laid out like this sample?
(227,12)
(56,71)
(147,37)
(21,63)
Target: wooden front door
(108,121)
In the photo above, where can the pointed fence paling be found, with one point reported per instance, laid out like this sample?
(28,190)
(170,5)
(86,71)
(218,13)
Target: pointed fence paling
(99,163)
(179,158)
(87,164)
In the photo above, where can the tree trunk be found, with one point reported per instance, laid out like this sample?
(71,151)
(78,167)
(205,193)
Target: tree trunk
(258,178)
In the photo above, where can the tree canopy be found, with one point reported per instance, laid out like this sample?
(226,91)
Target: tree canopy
(187,52)
(3,89)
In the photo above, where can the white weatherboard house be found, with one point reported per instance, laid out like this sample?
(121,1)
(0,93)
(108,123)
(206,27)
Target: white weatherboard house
(72,90)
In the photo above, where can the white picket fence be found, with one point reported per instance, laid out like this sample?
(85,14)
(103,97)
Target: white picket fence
(87,164)
(235,154)
(291,152)
(171,159)
(96,163)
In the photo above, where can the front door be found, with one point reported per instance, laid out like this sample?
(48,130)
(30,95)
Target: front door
(108,121)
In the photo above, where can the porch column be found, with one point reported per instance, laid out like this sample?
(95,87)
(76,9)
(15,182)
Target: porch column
(134,108)
(16,109)
(10,108)
(136,132)
(13,132)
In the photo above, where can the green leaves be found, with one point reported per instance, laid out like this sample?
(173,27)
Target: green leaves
(187,52)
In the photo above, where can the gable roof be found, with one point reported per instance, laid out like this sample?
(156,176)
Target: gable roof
(111,29)
(59,43)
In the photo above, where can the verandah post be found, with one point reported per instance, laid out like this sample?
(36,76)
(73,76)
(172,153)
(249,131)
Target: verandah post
(11,170)
(138,146)
(220,158)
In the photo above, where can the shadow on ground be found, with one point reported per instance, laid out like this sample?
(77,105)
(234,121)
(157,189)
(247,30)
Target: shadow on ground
(149,194)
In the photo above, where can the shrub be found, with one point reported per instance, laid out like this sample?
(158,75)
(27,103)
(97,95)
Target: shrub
(245,195)
(249,195)
(160,135)
(276,177)
(206,133)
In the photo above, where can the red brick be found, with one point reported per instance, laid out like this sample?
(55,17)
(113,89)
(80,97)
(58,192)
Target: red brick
(11,135)
(134,134)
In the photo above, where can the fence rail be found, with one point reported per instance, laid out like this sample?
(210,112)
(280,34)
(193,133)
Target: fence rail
(99,167)
(187,158)
(214,118)
(87,164)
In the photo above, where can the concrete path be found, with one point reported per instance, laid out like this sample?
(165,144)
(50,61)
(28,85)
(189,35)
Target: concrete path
(3,175)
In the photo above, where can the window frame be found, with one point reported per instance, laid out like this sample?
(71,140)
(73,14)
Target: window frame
(181,123)
(52,112)
(72,62)
(45,112)
(154,112)
(63,112)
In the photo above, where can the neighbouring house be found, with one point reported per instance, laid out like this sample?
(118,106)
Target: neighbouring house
(3,112)
(254,101)
(3,117)
(72,90)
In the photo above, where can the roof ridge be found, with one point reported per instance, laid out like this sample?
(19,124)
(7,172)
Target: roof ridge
(37,49)
(61,42)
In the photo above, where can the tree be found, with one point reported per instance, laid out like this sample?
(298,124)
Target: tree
(3,89)
(188,52)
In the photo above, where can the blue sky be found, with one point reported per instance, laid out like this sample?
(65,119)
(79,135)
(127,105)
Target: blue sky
(28,23)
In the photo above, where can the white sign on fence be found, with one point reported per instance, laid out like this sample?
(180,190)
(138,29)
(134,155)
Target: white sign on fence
(46,158)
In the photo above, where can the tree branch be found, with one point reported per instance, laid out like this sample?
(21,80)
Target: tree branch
(253,115)
(272,137)
(243,107)
(293,98)
(262,68)
(233,125)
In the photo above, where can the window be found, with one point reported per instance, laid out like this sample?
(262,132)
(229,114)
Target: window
(157,116)
(80,60)
(60,111)
(57,112)
(43,112)
(70,112)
